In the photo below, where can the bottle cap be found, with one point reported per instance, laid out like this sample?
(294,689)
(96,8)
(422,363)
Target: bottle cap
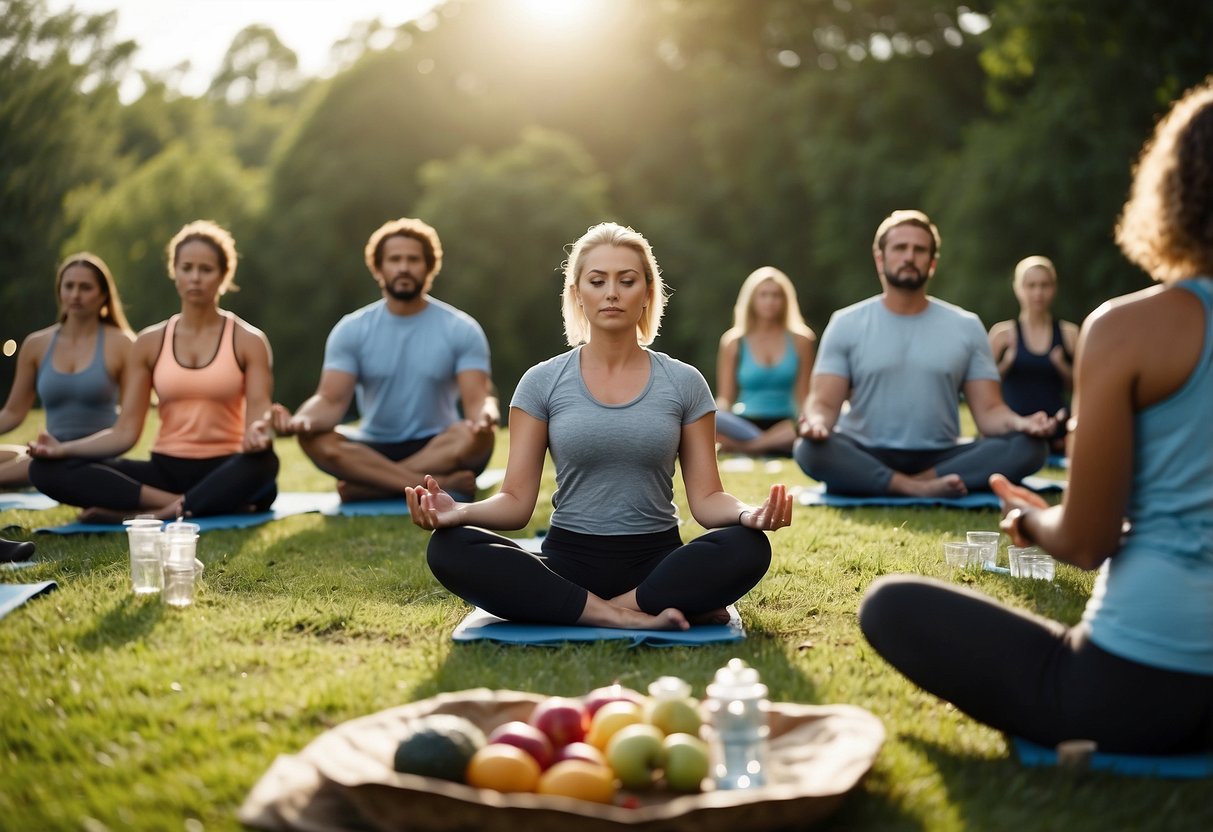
(736,679)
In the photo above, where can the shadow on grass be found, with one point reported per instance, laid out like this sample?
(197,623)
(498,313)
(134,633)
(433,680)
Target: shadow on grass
(128,620)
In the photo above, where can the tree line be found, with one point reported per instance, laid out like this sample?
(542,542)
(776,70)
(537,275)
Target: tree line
(734,135)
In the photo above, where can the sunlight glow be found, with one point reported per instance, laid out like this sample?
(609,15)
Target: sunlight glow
(556,16)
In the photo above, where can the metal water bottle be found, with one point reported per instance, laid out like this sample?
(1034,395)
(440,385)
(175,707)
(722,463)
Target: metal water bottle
(737,712)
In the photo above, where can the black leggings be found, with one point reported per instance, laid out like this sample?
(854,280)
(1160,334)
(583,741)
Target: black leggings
(496,574)
(219,485)
(1032,677)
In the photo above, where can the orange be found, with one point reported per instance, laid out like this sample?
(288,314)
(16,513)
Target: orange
(503,768)
(580,779)
(610,718)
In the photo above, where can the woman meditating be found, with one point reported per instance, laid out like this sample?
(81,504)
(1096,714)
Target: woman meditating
(616,417)
(1135,675)
(211,375)
(74,367)
(763,367)
(1035,351)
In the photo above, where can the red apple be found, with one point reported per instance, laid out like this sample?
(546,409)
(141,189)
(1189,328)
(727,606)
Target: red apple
(564,720)
(598,697)
(527,737)
(581,751)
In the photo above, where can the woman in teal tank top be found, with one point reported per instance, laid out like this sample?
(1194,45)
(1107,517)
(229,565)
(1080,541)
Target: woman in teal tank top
(74,367)
(1135,675)
(763,367)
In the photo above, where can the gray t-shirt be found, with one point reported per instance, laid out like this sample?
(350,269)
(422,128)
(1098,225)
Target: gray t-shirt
(406,367)
(614,463)
(906,371)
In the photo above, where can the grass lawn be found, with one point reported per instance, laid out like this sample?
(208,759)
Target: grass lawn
(118,713)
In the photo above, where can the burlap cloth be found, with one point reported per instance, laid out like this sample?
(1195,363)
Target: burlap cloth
(343,780)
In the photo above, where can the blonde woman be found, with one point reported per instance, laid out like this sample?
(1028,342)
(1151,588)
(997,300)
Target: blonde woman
(763,367)
(1035,351)
(616,417)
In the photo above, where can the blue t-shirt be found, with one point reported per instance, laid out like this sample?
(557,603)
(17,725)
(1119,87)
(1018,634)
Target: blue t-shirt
(405,366)
(1153,600)
(614,462)
(906,371)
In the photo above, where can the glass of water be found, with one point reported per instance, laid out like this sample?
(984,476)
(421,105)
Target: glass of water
(143,539)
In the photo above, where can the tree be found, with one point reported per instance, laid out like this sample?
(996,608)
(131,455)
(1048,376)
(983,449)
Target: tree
(505,220)
(130,225)
(59,75)
(1074,87)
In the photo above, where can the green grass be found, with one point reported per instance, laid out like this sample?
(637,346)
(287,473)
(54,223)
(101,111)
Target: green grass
(120,714)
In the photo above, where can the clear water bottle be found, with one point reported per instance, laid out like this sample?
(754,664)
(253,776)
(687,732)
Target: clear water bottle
(737,711)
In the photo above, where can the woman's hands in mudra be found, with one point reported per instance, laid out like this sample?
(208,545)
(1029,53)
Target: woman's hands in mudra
(774,513)
(430,507)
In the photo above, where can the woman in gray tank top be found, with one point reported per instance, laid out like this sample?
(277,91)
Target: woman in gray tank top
(616,417)
(73,367)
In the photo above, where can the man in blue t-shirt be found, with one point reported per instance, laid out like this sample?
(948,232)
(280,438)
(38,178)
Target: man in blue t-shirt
(901,360)
(411,361)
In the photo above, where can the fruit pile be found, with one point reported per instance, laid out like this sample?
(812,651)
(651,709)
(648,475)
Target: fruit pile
(585,748)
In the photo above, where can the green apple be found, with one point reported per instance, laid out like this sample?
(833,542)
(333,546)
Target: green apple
(635,753)
(675,716)
(687,761)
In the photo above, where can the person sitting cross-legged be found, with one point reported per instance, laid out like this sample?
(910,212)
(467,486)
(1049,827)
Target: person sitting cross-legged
(901,360)
(411,361)
(616,417)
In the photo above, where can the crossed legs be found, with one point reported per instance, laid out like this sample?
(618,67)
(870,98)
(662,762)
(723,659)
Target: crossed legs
(381,471)
(847,467)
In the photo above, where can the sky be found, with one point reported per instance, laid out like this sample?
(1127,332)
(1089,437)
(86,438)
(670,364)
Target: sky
(200,31)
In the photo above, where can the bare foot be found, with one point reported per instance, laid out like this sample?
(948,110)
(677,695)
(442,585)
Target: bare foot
(102,515)
(720,616)
(461,482)
(599,612)
(95,514)
(353,492)
(668,619)
(949,485)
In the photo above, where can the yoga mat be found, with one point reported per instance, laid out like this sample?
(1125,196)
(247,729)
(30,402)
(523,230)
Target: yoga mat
(14,565)
(287,504)
(1176,767)
(27,500)
(480,625)
(1057,461)
(14,595)
(818,496)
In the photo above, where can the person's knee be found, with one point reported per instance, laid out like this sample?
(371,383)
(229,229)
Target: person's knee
(442,553)
(1029,453)
(885,607)
(810,455)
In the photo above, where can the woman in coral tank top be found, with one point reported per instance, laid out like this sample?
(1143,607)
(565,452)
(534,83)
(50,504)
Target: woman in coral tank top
(211,374)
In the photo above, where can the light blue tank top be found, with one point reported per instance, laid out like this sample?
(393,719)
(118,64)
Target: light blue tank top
(767,392)
(1153,600)
(77,404)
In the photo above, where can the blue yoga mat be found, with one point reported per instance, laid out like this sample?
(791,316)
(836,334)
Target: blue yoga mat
(27,500)
(287,504)
(818,496)
(14,595)
(1176,767)
(481,626)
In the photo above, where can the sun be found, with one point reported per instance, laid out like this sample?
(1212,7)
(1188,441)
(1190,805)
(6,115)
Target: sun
(559,16)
